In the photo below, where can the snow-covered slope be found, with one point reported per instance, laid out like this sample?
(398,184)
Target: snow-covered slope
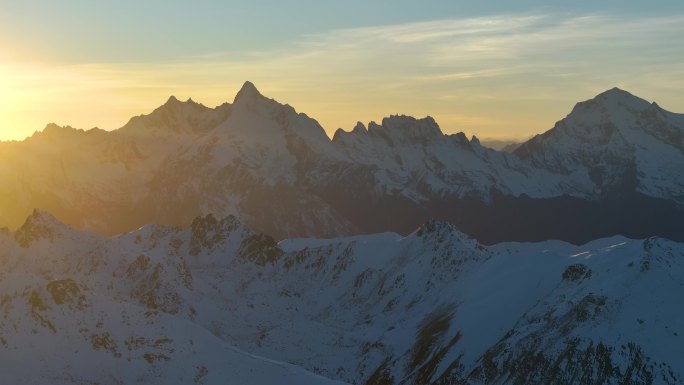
(414,158)
(78,308)
(219,303)
(617,139)
(277,169)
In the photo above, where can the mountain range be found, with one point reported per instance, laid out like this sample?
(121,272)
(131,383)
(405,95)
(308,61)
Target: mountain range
(241,244)
(219,303)
(612,166)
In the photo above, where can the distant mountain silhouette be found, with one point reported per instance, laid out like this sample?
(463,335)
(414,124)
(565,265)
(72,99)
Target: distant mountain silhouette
(612,166)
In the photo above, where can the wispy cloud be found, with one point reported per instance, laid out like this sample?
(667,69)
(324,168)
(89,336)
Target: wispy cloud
(458,70)
(438,30)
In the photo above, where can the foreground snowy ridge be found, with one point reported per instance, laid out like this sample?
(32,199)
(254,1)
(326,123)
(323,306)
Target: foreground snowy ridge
(612,166)
(205,305)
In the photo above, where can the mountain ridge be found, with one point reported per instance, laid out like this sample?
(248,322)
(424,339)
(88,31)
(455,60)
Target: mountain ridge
(615,94)
(277,168)
(217,299)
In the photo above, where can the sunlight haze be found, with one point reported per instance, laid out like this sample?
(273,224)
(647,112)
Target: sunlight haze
(496,73)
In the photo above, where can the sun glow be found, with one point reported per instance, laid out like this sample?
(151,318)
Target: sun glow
(508,76)
(32,96)
(24,97)
(7,106)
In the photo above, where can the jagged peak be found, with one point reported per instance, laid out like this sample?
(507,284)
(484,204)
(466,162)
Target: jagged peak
(176,116)
(443,231)
(210,221)
(52,126)
(359,128)
(153,230)
(206,231)
(53,129)
(172,100)
(209,233)
(396,129)
(338,134)
(434,226)
(438,227)
(372,126)
(40,224)
(407,127)
(173,104)
(426,125)
(250,106)
(247,92)
(460,137)
(43,218)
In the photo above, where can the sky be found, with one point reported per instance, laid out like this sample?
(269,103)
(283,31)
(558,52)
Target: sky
(496,69)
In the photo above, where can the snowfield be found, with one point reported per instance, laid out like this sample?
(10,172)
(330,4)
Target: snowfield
(219,303)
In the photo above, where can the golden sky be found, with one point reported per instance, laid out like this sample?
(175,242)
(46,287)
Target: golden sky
(498,75)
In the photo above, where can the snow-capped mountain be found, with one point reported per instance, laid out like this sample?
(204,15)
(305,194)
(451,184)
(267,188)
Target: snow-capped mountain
(613,166)
(220,303)
(617,139)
